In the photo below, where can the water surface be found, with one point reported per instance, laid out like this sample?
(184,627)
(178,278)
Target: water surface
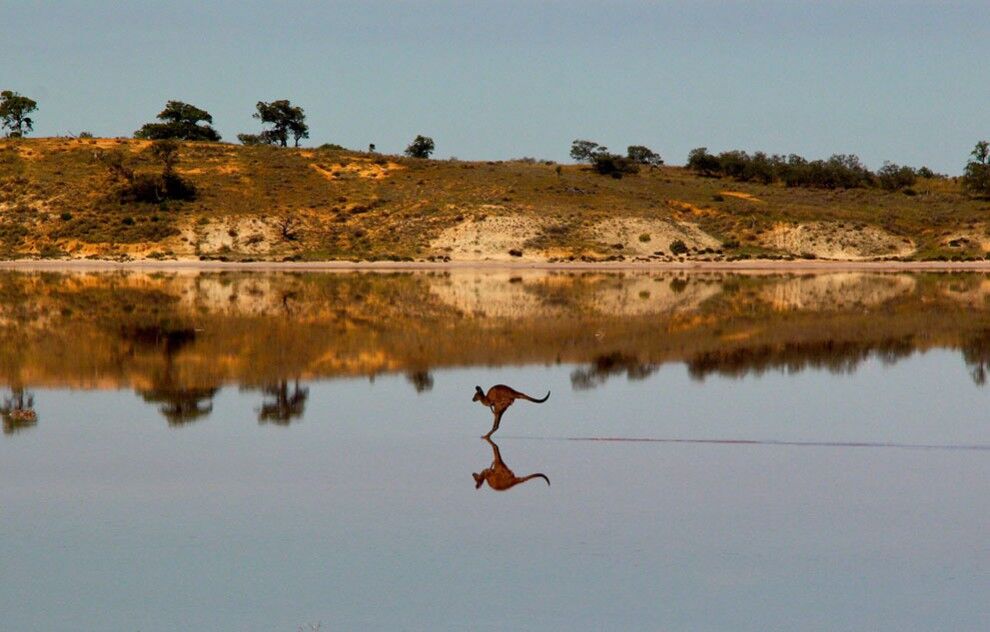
(265,451)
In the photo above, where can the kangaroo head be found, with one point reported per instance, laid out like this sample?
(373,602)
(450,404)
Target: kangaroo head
(478,394)
(478,480)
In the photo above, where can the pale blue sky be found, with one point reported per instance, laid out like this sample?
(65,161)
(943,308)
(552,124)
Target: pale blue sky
(901,81)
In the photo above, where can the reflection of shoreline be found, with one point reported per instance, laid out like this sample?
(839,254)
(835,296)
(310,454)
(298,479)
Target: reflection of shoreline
(173,333)
(747,266)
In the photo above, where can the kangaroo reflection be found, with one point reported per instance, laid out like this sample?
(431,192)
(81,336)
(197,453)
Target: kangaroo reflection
(282,406)
(499,398)
(498,476)
(17,411)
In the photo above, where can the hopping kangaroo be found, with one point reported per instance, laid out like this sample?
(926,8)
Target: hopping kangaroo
(499,398)
(499,477)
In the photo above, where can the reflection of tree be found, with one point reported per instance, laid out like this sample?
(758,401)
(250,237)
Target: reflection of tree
(181,405)
(422,381)
(281,406)
(976,354)
(17,411)
(604,367)
(833,355)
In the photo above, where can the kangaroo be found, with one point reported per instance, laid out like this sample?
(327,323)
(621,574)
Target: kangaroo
(499,398)
(499,476)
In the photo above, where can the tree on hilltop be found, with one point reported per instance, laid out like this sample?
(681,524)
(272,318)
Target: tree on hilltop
(586,150)
(643,155)
(421,147)
(976,177)
(702,162)
(180,121)
(14,110)
(286,120)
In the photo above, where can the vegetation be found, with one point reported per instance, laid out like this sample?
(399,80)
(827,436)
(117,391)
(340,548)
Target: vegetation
(286,120)
(841,171)
(586,150)
(643,155)
(421,147)
(976,178)
(144,187)
(14,111)
(614,165)
(355,205)
(180,121)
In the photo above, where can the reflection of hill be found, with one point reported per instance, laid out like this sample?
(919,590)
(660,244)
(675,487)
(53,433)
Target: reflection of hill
(837,291)
(176,338)
(534,294)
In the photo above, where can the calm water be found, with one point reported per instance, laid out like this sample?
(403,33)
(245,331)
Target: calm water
(266,452)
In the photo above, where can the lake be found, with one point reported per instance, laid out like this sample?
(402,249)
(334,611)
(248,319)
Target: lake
(283,451)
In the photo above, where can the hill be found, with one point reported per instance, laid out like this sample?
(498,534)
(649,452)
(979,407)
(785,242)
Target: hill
(58,199)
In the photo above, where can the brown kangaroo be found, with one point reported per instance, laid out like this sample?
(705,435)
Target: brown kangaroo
(499,476)
(499,398)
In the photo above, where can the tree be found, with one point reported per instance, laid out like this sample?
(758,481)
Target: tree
(282,406)
(976,177)
(14,110)
(585,150)
(286,119)
(703,162)
(643,155)
(254,139)
(167,152)
(17,411)
(180,121)
(893,177)
(146,187)
(421,147)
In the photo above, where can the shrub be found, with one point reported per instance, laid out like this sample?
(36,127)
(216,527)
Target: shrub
(893,177)
(645,237)
(700,161)
(678,247)
(614,165)
(252,140)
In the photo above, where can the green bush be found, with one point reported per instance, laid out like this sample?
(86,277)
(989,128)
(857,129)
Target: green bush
(613,165)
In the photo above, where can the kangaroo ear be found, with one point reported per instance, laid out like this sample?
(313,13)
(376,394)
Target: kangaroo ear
(478,388)
(477,480)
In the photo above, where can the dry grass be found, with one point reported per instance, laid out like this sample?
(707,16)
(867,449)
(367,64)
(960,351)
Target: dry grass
(57,200)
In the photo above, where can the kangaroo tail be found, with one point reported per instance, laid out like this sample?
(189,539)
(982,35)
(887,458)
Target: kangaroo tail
(539,401)
(537,475)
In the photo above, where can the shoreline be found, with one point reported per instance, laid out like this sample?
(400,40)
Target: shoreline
(413,266)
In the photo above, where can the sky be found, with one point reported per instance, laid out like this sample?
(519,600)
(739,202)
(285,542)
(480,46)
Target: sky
(899,81)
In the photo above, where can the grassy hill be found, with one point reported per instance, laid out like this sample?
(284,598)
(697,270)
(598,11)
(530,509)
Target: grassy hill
(59,200)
